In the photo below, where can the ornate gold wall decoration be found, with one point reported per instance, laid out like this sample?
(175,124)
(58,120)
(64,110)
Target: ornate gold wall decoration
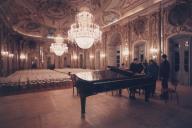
(140,25)
(179,14)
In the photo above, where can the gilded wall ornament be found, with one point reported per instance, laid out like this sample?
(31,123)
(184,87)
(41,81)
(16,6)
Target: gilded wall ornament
(179,14)
(139,26)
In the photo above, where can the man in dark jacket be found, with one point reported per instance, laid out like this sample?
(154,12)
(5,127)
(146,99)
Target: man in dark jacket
(152,70)
(135,67)
(164,76)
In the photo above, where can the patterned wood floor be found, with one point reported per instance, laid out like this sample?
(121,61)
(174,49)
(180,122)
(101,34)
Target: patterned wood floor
(59,109)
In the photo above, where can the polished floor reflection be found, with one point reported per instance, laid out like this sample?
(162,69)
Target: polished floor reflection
(59,109)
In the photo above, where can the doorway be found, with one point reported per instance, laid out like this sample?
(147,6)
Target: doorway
(114,50)
(180,58)
(139,51)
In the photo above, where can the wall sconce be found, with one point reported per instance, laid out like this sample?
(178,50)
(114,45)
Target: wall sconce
(4,53)
(11,55)
(154,52)
(23,56)
(102,55)
(75,57)
(91,56)
(126,52)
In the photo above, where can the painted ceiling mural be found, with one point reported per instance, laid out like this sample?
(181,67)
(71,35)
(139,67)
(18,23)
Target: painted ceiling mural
(43,17)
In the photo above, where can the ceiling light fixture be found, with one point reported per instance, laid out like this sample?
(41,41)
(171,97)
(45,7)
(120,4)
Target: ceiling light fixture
(23,56)
(58,47)
(84,32)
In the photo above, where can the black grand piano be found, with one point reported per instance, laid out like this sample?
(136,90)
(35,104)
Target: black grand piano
(93,82)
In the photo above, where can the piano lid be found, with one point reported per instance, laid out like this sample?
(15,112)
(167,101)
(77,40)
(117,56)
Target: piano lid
(100,75)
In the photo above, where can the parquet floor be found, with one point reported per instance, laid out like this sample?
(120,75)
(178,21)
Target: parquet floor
(59,109)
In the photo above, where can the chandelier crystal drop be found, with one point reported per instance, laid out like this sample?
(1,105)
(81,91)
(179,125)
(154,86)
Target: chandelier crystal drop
(59,48)
(84,32)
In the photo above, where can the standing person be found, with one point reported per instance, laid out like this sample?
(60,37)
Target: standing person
(145,66)
(135,68)
(152,70)
(140,67)
(164,76)
(122,66)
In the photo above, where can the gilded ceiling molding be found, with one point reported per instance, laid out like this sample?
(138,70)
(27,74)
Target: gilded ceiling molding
(26,34)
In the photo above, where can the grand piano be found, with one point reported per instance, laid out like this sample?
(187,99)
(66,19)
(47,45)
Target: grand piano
(91,83)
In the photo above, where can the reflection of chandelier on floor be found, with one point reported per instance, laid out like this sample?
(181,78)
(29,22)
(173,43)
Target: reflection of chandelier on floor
(84,32)
(58,47)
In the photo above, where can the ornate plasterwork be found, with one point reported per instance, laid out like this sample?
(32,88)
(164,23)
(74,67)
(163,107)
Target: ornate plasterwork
(140,25)
(179,14)
(170,28)
(140,29)
(122,5)
(110,16)
(39,16)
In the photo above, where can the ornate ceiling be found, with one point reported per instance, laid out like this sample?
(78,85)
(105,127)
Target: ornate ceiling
(43,17)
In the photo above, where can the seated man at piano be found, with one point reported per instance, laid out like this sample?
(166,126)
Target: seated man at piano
(136,68)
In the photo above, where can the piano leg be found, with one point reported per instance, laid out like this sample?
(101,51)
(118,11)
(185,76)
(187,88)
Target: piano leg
(120,92)
(147,94)
(83,103)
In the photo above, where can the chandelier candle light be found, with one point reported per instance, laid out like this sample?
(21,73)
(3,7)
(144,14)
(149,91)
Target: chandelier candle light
(84,32)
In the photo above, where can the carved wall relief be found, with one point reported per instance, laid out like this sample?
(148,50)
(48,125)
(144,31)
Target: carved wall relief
(140,25)
(179,14)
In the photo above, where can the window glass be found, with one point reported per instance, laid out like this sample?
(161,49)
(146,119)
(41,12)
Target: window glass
(186,61)
(177,60)
(176,45)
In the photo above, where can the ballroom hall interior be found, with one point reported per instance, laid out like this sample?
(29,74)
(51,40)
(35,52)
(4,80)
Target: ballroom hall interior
(68,63)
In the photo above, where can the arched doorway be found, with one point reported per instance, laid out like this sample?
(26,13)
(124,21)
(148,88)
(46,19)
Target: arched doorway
(179,52)
(139,50)
(114,50)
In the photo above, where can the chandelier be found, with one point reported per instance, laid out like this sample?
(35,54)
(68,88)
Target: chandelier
(58,47)
(84,32)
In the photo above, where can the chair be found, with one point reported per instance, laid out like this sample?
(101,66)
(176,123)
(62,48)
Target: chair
(73,78)
(173,90)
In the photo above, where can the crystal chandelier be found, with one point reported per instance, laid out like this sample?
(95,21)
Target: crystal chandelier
(84,32)
(58,47)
